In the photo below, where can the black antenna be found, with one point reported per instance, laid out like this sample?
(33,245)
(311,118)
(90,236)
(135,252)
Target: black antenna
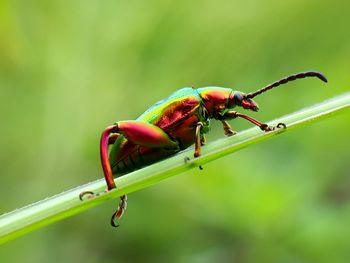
(300,75)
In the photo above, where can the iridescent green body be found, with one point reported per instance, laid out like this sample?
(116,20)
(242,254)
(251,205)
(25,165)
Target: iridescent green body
(177,116)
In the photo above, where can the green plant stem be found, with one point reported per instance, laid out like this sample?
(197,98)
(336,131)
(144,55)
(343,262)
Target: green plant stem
(26,219)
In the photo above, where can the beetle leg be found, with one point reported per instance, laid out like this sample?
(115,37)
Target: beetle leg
(262,126)
(106,166)
(203,140)
(140,133)
(120,211)
(197,151)
(107,171)
(227,128)
(89,194)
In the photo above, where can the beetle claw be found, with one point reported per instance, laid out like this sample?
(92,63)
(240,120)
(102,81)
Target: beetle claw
(230,132)
(114,220)
(281,125)
(89,193)
(120,211)
(267,128)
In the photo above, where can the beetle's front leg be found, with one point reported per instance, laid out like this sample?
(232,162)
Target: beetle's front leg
(262,126)
(227,128)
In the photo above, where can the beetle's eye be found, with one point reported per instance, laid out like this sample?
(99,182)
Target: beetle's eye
(238,98)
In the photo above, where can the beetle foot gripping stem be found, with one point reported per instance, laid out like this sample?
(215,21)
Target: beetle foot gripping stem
(267,128)
(281,125)
(89,195)
(120,211)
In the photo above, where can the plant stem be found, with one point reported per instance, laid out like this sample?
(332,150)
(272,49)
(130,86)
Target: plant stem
(34,216)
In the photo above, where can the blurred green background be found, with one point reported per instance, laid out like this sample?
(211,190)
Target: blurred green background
(70,68)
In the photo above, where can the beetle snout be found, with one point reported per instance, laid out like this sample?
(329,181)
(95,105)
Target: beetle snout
(255,108)
(250,105)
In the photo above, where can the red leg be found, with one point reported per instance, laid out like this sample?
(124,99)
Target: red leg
(120,211)
(140,133)
(107,171)
(106,166)
(235,114)
(227,129)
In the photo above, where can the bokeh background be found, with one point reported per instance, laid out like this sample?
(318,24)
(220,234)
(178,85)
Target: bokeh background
(70,68)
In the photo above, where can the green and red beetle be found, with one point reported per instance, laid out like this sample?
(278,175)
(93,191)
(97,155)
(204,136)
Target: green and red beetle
(172,125)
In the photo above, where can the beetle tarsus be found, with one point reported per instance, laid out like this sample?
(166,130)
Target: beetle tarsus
(200,167)
(281,125)
(203,140)
(89,193)
(197,153)
(187,159)
(230,132)
(114,220)
(266,128)
(227,128)
(120,211)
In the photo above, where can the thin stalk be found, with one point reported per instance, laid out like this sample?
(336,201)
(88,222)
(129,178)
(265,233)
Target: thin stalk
(58,207)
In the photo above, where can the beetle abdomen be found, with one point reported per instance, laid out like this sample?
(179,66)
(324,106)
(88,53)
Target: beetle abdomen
(139,157)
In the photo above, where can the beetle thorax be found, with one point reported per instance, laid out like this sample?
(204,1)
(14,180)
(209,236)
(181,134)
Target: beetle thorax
(216,100)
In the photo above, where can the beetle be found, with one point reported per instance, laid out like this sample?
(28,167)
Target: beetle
(173,124)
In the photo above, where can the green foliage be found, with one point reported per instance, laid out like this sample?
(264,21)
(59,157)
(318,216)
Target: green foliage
(70,68)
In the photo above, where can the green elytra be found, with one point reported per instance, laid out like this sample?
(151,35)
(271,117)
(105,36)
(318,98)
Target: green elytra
(173,124)
(166,114)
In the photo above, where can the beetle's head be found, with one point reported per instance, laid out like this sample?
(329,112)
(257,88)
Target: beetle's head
(241,99)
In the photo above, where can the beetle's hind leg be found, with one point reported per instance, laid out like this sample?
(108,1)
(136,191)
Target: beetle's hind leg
(106,139)
(89,195)
(111,140)
(120,211)
(137,132)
